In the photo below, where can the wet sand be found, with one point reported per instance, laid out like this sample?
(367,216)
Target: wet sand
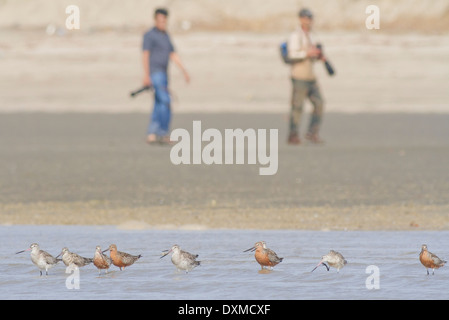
(375,172)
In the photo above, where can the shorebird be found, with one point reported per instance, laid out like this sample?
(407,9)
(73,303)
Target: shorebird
(182,259)
(264,256)
(101,261)
(72,258)
(43,260)
(121,259)
(429,260)
(334,258)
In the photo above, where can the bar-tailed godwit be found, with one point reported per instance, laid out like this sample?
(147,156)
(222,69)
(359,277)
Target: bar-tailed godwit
(121,259)
(72,258)
(264,256)
(430,260)
(43,260)
(334,258)
(101,261)
(182,259)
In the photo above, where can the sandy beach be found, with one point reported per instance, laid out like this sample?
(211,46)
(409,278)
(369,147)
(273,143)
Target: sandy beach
(72,147)
(230,71)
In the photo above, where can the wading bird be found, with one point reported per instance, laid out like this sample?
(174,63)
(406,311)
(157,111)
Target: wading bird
(43,260)
(264,256)
(334,259)
(181,259)
(121,259)
(430,260)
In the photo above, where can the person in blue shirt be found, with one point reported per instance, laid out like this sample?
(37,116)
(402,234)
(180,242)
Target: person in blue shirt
(158,51)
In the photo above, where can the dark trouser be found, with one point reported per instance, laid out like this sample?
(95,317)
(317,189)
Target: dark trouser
(303,89)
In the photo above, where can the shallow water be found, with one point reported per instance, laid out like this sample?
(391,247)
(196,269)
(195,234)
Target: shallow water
(226,272)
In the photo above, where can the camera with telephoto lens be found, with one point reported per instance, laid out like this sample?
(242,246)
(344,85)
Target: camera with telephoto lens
(329,68)
(140,90)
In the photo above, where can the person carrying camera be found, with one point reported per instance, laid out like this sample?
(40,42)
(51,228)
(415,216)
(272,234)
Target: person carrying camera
(158,50)
(303,52)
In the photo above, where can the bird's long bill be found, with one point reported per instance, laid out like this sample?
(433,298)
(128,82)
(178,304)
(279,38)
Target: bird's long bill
(250,249)
(23,250)
(105,250)
(58,255)
(317,265)
(166,253)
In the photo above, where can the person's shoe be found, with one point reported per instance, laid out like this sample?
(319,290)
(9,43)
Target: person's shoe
(314,138)
(151,139)
(165,140)
(293,139)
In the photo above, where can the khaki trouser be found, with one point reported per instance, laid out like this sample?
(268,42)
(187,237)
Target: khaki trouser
(303,89)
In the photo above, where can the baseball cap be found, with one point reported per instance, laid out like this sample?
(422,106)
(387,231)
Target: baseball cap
(305,13)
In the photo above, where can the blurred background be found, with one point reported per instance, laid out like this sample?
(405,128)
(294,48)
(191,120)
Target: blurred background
(231,15)
(231,51)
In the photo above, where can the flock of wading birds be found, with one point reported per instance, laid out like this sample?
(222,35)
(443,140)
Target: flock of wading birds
(186,261)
